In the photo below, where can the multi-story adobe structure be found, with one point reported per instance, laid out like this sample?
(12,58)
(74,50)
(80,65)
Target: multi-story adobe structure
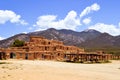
(39,48)
(44,49)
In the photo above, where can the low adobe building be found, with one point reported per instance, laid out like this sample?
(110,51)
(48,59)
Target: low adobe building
(44,49)
(39,48)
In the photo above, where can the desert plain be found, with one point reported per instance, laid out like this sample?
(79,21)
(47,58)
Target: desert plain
(53,70)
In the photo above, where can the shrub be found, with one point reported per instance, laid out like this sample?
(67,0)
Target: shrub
(18,43)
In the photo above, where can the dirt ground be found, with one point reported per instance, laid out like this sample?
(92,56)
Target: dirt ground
(52,70)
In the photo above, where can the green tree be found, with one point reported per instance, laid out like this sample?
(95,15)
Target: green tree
(18,43)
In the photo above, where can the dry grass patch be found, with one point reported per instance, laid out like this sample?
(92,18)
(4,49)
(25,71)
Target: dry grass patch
(5,63)
(9,67)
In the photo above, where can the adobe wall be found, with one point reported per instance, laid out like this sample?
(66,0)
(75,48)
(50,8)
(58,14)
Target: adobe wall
(41,48)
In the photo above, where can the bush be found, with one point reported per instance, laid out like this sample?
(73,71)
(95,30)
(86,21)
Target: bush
(18,43)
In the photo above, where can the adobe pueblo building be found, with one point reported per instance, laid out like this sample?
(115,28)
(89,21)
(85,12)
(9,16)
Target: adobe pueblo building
(44,49)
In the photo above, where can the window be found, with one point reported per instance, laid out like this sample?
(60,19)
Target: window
(60,47)
(67,48)
(42,55)
(45,48)
(20,54)
(48,42)
(54,48)
(12,55)
(58,54)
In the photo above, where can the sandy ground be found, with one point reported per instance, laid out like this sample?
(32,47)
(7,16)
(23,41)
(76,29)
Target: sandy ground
(51,70)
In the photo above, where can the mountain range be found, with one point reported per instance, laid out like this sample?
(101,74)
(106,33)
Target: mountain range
(86,39)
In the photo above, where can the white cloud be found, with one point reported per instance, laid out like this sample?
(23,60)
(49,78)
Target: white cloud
(7,15)
(89,9)
(46,21)
(119,24)
(71,20)
(87,20)
(111,29)
(50,21)
(1,38)
(24,32)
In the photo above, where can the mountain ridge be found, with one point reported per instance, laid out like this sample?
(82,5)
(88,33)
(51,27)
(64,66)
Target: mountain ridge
(86,39)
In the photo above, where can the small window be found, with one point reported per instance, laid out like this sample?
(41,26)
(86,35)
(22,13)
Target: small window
(42,55)
(60,47)
(20,54)
(58,54)
(54,48)
(45,48)
(48,42)
(67,48)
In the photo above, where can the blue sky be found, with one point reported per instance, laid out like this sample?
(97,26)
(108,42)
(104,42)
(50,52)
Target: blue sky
(23,16)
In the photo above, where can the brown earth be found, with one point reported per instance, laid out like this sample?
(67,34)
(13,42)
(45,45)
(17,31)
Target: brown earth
(52,70)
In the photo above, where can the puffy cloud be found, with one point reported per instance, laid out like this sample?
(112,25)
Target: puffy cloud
(89,9)
(46,21)
(111,29)
(7,15)
(119,24)
(87,20)
(1,38)
(71,21)
(24,32)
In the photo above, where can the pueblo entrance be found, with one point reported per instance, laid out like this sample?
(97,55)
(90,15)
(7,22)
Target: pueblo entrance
(2,55)
(12,55)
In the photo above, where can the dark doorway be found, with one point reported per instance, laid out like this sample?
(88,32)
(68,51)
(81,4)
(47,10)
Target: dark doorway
(12,55)
(0,56)
(26,56)
(4,55)
(43,56)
